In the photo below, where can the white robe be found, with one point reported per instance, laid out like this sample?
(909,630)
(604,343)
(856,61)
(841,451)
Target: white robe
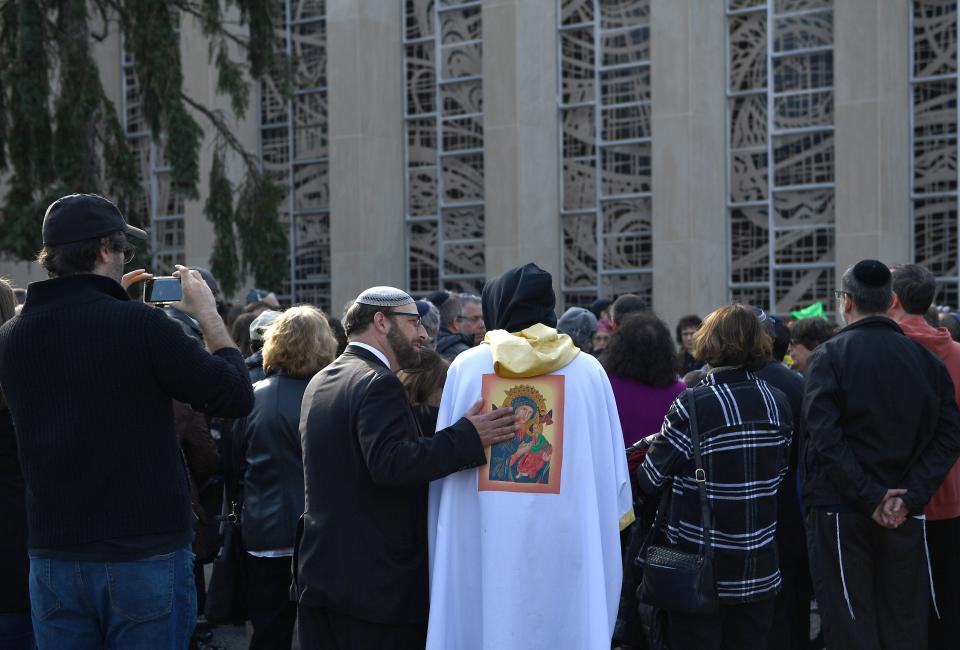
(521,570)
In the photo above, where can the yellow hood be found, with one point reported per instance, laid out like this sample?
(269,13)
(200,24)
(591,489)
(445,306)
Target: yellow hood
(537,350)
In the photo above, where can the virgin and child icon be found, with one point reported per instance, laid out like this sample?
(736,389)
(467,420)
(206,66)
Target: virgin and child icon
(532,460)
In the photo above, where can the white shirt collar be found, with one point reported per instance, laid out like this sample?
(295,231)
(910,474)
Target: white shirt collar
(380,355)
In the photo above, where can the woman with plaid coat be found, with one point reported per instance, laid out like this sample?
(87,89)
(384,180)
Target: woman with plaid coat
(745,430)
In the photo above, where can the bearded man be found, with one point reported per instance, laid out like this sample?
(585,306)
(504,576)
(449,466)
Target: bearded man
(360,567)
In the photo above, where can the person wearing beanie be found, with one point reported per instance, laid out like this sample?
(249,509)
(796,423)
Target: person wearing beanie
(360,557)
(258,329)
(882,433)
(579,324)
(525,550)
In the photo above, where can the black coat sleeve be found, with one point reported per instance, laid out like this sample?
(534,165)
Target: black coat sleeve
(215,384)
(394,452)
(935,461)
(825,437)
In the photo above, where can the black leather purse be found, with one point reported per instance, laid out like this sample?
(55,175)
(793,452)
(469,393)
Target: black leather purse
(674,580)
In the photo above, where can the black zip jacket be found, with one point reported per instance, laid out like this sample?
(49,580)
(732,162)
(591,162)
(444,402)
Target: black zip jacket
(880,413)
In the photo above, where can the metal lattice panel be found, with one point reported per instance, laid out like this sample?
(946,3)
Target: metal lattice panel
(443,50)
(780,151)
(934,67)
(294,147)
(605,140)
(163,208)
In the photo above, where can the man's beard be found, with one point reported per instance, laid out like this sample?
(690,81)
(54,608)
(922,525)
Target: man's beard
(406,354)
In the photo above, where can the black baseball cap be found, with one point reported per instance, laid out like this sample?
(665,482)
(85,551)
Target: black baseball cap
(77,217)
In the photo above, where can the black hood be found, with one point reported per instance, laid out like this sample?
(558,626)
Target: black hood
(519,298)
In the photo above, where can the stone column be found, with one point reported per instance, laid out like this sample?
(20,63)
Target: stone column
(365,72)
(872,130)
(689,158)
(521,152)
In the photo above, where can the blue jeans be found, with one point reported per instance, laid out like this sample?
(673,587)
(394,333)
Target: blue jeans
(149,604)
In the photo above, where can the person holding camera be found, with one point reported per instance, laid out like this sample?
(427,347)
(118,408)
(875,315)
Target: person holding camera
(90,378)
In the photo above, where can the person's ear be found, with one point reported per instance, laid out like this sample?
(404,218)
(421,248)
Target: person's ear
(894,302)
(103,255)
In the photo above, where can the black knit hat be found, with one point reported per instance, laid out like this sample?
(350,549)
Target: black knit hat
(872,274)
(77,217)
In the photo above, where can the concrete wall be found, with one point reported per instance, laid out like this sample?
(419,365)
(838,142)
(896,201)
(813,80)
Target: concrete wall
(365,71)
(872,43)
(689,165)
(522,192)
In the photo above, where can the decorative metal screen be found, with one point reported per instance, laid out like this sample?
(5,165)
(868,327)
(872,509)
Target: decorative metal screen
(443,151)
(163,206)
(933,77)
(780,167)
(605,149)
(294,147)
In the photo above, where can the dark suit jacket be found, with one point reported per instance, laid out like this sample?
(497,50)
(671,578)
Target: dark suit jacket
(362,541)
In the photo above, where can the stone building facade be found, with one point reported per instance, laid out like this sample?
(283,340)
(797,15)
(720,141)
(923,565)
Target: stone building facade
(692,152)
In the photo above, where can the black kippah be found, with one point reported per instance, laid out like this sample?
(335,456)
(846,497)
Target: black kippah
(871,273)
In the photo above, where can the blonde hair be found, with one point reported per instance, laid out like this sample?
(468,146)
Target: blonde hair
(299,342)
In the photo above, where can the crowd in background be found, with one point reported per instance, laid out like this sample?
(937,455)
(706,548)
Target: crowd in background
(747,368)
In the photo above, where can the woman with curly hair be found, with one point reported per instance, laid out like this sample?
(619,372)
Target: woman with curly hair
(641,363)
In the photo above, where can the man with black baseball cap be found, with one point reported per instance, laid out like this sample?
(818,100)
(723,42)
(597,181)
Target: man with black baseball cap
(90,377)
(882,431)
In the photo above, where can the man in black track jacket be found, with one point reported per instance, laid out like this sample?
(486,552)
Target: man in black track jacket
(882,431)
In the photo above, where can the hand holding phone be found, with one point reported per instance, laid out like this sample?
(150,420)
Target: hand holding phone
(162,290)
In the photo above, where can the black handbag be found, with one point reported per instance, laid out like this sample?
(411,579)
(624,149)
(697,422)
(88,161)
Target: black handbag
(226,601)
(673,580)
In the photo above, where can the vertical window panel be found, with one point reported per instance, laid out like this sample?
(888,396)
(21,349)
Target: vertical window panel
(444,146)
(605,140)
(780,153)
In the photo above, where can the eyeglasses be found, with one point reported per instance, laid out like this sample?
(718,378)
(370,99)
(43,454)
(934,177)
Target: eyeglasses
(838,294)
(128,253)
(416,317)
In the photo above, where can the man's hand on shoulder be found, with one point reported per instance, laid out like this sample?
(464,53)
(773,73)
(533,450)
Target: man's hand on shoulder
(493,427)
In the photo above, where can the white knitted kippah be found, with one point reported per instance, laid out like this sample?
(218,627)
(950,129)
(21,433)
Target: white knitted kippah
(384,297)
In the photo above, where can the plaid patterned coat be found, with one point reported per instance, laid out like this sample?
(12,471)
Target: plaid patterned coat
(745,433)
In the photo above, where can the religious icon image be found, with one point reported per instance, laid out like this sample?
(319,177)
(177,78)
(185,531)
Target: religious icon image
(531,461)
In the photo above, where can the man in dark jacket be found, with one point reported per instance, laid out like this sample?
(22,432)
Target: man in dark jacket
(360,567)
(791,617)
(451,341)
(882,431)
(90,377)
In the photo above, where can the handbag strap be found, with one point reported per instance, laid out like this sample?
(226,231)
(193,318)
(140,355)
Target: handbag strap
(699,474)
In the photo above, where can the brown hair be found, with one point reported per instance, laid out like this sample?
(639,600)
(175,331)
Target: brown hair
(424,380)
(299,342)
(732,336)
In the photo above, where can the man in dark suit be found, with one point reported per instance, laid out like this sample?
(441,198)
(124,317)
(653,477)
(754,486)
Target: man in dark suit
(360,567)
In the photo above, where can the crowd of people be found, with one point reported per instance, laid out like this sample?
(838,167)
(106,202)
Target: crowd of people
(469,471)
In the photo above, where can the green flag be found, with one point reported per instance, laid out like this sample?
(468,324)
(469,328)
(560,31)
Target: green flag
(815,310)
